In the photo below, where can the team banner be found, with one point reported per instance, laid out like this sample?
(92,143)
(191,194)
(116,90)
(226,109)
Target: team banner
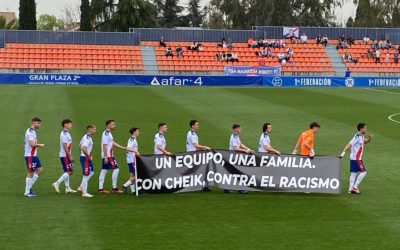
(290,31)
(185,172)
(252,71)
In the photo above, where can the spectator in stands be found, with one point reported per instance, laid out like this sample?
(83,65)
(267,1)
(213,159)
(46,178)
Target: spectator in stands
(325,40)
(389,44)
(371,53)
(251,43)
(221,56)
(282,43)
(342,38)
(293,38)
(232,57)
(168,51)
(366,40)
(382,44)
(280,57)
(347,57)
(350,40)
(343,44)
(195,46)
(375,44)
(387,57)
(396,57)
(179,51)
(289,54)
(265,52)
(377,56)
(318,39)
(162,42)
(200,47)
(303,39)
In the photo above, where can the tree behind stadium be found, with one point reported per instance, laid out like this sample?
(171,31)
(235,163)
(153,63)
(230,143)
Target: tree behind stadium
(86,22)
(27,15)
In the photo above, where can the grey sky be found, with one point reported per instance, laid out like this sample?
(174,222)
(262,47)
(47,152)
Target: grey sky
(54,7)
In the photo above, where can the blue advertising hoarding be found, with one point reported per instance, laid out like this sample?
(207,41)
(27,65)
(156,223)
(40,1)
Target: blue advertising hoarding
(252,71)
(183,80)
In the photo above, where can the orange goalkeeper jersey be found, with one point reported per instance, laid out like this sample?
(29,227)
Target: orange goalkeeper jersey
(306,136)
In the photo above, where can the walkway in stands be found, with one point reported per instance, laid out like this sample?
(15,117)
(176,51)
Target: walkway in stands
(336,59)
(149,60)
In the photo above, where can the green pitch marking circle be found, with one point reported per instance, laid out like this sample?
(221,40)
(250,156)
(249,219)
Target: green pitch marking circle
(390,117)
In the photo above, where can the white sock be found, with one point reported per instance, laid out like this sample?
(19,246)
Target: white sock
(133,188)
(62,178)
(28,185)
(353,177)
(91,174)
(360,178)
(102,176)
(115,177)
(84,184)
(128,183)
(66,181)
(35,178)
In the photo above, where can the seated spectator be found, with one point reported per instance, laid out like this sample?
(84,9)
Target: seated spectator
(389,44)
(260,42)
(343,44)
(251,43)
(396,57)
(232,57)
(303,39)
(265,52)
(375,44)
(387,58)
(366,40)
(195,46)
(289,54)
(280,57)
(342,38)
(221,56)
(200,47)
(325,40)
(350,40)
(371,53)
(318,39)
(168,51)
(162,42)
(179,51)
(282,43)
(222,44)
(293,38)
(347,57)
(377,56)
(382,44)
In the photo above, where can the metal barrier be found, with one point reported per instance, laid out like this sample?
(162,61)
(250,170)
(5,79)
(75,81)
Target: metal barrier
(335,32)
(64,37)
(191,35)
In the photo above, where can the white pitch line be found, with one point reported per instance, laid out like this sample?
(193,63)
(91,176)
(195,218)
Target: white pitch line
(384,91)
(390,117)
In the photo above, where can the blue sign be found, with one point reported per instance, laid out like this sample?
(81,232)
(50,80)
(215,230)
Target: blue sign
(252,71)
(183,80)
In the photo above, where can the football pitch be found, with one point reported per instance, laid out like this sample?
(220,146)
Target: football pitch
(199,220)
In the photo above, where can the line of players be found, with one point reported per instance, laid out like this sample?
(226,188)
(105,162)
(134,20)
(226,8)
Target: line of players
(305,143)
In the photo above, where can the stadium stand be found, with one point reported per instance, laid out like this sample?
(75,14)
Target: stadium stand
(308,58)
(367,64)
(43,57)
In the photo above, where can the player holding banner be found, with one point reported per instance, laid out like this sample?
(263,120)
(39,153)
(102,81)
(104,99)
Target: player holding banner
(32,160)
(131,158)
(108,160)
(357,166)
(236,144)
(65,157)
(160,143)
(192,143)
(86,146)
(264,145)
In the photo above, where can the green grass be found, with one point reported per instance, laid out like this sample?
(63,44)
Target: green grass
(199,220)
